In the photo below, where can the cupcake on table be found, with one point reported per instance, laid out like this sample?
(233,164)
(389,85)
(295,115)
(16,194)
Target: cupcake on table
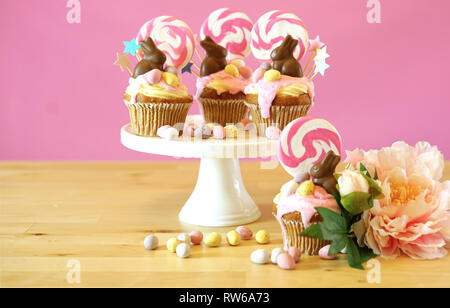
(280,90)
(309,150)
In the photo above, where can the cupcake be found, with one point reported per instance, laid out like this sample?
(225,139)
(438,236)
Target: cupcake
(279,93)
(220,88)
(155,96)
(295,206)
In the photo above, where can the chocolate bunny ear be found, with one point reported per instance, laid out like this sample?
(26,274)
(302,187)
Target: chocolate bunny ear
(292,45)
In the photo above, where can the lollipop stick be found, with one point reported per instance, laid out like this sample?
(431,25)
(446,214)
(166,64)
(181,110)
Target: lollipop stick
(131,73)
(313,76)
(309,60)
(311,70)
(195,64)
(198,55)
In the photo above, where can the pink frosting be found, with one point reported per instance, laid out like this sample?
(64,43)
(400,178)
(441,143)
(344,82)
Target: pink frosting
(234,84)
(267,90)
(305,205)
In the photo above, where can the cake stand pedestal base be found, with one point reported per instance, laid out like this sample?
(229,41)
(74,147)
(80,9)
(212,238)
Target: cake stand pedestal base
(219,198)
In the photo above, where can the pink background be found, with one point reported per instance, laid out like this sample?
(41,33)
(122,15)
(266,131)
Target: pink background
(61,95)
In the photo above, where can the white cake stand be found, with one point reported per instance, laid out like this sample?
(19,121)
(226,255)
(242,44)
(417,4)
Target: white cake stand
(219,197)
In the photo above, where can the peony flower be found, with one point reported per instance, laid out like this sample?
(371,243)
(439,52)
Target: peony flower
(351,181)
(413,216)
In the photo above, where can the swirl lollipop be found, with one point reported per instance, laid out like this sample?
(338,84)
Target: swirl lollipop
(230,29)
(271,29)
(305,142)
(172,36)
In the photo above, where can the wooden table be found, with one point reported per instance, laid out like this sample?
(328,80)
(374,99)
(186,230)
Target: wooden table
(97,214)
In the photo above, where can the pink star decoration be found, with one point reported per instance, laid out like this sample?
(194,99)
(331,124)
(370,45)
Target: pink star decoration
(315,44)
(353,157)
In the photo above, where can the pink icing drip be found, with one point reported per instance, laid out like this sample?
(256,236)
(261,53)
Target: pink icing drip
(306,206)
(268,90)
(234,84)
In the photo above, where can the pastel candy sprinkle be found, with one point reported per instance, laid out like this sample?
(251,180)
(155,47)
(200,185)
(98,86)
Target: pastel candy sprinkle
(285,261)
(172,244)
(262,237)
(323,253)
(233,238)
(151,242)
(196,237)
(244,232)
(183,250)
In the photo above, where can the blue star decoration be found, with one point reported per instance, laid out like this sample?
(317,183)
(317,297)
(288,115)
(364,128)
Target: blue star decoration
(321,67)
(319,60)
(131,47)
(187,68)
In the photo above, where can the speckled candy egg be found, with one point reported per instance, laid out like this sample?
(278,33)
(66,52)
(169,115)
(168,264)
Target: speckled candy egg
(323,253)
(184,238)
(196,237)
(213,239)
(172,244)
(260,256)
(151,242)
(244,232)
(285,261)
(295,253)
(183,250)
(274,254)
(262,237)
(233,238)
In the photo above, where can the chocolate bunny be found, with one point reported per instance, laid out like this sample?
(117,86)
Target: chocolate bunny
(153,58)
(215,59)
(283,58)
(322,172)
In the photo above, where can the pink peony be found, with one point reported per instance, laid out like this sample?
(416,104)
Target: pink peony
(413,217)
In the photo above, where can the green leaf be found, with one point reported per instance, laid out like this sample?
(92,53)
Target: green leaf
(357,202)
(354,258)
(374,188)
(364,170)
(333,226)
(375,177)
(344,213)
(337,245)
(366,254)
(313,231)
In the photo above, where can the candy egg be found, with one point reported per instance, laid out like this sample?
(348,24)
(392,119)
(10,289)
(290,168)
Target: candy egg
(262,237)
(289,188)
(232,70)
(301,177)
(285,261)
(231,131)
(238,62)
(172,244)
(277,198)
(183,250)
(306,188)
(244,232)
(206,131)
(151,242)
(294,252)
(213,239)
(170,79)
(258,74)
(211,125)
(184,238)
(233,238)
(260,256)
(161,131)
(245,72)
(272,75)
(219,132)
(188,131)
(323,253)
(152,77)
(266,66)
(198,133)
(273,132)
(196,237)
(172,70)
(170,133)
(274,254)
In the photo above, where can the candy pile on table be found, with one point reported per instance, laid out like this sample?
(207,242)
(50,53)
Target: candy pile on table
(181,245)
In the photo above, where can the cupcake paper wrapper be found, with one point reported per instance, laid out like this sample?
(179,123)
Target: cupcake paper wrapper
(223,112)
(292,238)
(147,118)
(279,115)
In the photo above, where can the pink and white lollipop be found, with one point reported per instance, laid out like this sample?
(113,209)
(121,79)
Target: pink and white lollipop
(230,29)
(305,142)
(271,29)
(172,36)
